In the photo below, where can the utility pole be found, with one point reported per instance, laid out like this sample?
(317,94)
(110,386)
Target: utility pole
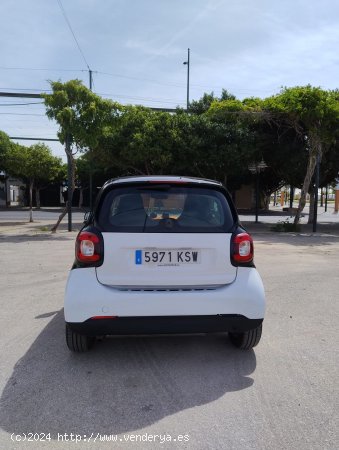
(187,63)
(90,78)
(90,173)
(69,180)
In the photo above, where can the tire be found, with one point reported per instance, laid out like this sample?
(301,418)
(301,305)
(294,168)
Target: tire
(78,342)
(247,339)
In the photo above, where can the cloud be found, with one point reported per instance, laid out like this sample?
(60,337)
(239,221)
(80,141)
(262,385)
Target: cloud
(250,47)
(167,48)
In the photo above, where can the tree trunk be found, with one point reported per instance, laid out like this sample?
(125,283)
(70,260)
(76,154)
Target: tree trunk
(315,149)
(31,200)
(147,168)
(62,215)
(71,186)
(37,197)
(266,200)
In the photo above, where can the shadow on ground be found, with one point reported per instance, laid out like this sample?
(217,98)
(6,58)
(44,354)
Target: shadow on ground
(123,384)
(13,224)
(46,236)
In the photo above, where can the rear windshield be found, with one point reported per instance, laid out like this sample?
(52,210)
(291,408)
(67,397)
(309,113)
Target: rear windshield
(166,208)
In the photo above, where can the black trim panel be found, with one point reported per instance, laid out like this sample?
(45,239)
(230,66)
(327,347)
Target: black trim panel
(164,325)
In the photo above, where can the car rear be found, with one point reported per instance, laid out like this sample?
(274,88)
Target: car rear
(162,255)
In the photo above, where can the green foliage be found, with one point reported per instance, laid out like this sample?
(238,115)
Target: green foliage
(202,105)
(5,147)
(35,163)
(285,226)
(218,139)
(148,142)
(80,113)
(137,142)
(312,106)
(313,113)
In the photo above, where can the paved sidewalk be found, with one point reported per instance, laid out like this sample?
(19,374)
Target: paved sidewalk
(16,221)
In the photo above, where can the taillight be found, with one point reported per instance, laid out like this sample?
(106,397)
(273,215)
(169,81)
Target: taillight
(242,249)
(88,248)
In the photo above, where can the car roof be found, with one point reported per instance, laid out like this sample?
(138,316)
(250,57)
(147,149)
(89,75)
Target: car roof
(161,179)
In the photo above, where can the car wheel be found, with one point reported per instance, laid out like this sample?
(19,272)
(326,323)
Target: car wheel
(78,342)
(247,339)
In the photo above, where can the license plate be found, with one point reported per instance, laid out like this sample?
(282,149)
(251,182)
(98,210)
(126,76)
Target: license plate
(167,257)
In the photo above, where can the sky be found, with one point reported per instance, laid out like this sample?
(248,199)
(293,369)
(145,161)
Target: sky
(136,50)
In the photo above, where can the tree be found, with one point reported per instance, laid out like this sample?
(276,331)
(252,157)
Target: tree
(289,131)
(207,148)
(52,171)
(34,164)
(219,139)
(140,143)
(148,142)
(313,113)
(245,119)
(87,170)
(5,146)
(80,113)
(82,117)
(203,104)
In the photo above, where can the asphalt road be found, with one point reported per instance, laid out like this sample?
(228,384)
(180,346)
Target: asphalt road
(282,395)
(274,215)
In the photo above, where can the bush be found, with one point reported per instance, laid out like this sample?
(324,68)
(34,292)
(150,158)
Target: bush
(285,227)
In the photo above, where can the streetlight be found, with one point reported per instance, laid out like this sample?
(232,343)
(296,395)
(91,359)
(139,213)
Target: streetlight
(256,168)
(187,63)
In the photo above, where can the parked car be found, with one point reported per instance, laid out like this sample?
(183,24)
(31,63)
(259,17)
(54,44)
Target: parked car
(163,254)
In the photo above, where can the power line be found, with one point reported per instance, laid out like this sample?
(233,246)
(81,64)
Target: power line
(119,96)
(21,114)
(148,99)
(70,27)
(192,85)
(141,79)
(18,89)
(42,69)
(128,77)
(33,139)
(25,95)
(178,84)
(21,104)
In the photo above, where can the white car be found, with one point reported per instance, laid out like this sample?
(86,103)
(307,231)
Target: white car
(163,254)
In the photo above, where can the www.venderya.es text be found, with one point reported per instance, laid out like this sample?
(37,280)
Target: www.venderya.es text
(98,437)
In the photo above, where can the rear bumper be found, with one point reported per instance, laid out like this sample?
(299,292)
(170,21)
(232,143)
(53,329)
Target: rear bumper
(164,325)
(85,298)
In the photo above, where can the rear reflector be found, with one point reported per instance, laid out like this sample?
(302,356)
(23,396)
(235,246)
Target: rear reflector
(103,317)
